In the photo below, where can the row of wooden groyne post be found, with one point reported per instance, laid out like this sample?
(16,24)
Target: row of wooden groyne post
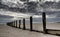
(14,23)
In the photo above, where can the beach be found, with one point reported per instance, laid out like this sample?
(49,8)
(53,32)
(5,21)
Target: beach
(53,28)
(36,18)
(7,31)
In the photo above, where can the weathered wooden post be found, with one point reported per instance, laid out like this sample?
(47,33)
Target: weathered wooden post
(44,22)
(31,27)
(24,24)
(12,24)
(19,23)
(8,23)
(16,23)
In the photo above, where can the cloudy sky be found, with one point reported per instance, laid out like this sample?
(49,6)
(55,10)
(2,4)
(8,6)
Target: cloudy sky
(46,0)
(52,0)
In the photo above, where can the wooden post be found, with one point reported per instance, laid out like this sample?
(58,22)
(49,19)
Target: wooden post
(16,23)
(19,23)
(24,24)
(31,23)
(10,23)
(44,22)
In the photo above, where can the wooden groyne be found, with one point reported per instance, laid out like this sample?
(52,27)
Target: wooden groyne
(45,30)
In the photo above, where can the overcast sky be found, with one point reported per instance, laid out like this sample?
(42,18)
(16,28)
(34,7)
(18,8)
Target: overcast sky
(52,0)
(47,0)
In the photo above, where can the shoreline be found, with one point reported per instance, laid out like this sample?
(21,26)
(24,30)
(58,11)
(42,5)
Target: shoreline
(7,31)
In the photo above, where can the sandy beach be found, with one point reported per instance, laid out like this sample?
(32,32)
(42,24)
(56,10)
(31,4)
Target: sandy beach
(7,31)
(39,27)
(54,27)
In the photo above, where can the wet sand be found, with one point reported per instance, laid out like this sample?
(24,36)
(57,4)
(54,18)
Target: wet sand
(7,31)
(39,26)
(54,27)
